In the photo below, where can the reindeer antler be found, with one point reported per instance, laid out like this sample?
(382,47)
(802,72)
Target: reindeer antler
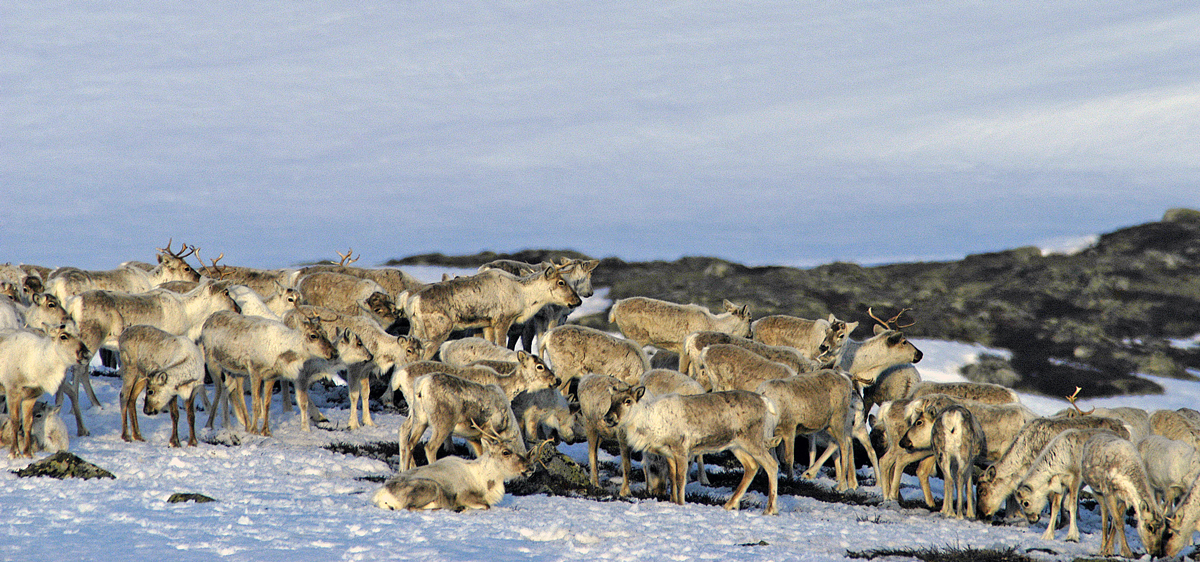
(219,271)
(1073,397)
(183,252)
(887,324)
(346,257)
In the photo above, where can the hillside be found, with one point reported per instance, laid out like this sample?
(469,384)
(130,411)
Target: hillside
(1090,319)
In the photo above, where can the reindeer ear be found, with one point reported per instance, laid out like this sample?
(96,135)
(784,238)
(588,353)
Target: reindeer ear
(879,329)
(550,270)
(729,307)
(639,392)
(591,265)
(522,356)
(851,326)
(832,319)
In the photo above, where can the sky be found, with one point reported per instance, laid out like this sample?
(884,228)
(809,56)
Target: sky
(764,132)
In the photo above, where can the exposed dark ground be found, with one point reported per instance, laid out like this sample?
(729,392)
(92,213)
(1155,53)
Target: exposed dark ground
(1091,319)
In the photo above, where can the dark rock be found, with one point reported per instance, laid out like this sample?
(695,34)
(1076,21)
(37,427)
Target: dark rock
(63,464)
(1093,319)
(189,497)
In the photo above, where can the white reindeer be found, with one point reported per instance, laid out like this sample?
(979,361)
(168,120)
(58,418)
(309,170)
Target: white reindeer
(31,364)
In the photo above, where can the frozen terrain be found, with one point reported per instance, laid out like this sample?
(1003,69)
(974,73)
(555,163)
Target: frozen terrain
(287,498)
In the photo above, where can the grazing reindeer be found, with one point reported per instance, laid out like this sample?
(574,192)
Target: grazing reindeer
(167,367)
(457,483)
(664,324)
(31,364)
(1112,467)
(678,427)
(454,406)
(1055,475)
(491,300)
(1000,480)
(1000,423)
(1181,526)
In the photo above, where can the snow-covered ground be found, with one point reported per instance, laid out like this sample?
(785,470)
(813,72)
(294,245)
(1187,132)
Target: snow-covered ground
(287,498)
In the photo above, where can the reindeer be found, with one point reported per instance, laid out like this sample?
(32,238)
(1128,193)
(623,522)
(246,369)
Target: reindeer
(866,360)
(167,367)
(456,483)
(455,406)
(491,300)
(814,339)
(1055,477)
(32,363)
(677,427)
(1000,479)
(1113,469)
(578,350)
(48,431)
(578,274)
(393,281)
(262,350)
(664,324)
(468,350)
(812,403)
(66,282)
(347,294)
(696,342)
(102,315)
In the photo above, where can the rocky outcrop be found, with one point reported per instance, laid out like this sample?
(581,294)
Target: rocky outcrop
(1091,319)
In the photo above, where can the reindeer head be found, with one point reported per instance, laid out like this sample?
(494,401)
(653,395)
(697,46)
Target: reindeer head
(173,265)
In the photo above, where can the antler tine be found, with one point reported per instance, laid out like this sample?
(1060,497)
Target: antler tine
(168,248)
(347,257)
(186,251)
(871,313)
(1074,396)
(897,317)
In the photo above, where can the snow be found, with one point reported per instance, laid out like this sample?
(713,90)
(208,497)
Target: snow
(287,498)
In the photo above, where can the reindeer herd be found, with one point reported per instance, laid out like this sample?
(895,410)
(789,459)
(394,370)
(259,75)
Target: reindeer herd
(741,385)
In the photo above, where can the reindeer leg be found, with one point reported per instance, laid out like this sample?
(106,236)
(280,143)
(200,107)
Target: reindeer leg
(268,390)
(139,387)
(627,468)
(67,388)
(593,439)
(749,469)
(191,417)
(174,407)
(365,392)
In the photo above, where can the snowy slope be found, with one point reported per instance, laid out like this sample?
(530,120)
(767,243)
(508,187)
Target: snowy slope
(286,498)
